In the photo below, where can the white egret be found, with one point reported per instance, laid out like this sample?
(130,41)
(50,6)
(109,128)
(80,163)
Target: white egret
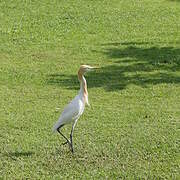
(75,108)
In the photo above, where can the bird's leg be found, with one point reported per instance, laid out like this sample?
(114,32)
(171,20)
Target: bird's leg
(72,150)
(67,141)
(71,136)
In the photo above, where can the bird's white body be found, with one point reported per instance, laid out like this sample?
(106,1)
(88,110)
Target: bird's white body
(75,108)
(72,111)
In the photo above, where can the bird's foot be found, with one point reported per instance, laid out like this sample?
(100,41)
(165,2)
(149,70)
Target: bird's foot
(70,145)
(67,142)
(72,149)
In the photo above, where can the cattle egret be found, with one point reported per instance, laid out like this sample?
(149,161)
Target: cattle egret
(75,108)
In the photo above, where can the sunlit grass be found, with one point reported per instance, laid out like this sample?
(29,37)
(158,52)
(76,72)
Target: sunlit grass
(131,130)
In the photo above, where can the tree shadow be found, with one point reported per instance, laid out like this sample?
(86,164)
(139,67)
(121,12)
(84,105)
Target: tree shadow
(130,64)
(15,155)
(174,0)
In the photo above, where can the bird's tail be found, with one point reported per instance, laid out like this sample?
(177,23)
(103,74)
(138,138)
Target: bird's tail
(55,127)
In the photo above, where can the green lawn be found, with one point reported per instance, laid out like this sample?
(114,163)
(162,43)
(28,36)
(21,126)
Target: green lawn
(132,130)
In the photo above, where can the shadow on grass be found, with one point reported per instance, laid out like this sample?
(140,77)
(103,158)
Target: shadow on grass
(15,155)
(130,64)
(174,0)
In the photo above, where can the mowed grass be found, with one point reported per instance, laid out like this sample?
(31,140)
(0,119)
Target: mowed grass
(132,130)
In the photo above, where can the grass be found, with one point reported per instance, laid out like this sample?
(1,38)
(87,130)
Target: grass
(131,130)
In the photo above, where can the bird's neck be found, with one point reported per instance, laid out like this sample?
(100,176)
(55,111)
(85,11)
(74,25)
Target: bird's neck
(83,87)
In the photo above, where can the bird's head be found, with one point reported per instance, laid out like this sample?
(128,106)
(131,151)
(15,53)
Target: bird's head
(86,68)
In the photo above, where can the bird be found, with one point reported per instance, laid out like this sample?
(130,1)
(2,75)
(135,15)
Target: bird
(75,108)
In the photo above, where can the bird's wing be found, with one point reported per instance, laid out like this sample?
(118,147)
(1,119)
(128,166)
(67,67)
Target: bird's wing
(70,112)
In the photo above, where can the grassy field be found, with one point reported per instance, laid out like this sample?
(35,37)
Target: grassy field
(132,130)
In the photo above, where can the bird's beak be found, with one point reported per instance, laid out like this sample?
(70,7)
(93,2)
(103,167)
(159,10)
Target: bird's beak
(90,68)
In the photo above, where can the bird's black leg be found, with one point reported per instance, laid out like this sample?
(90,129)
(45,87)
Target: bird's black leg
(71,136)
(67,140)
